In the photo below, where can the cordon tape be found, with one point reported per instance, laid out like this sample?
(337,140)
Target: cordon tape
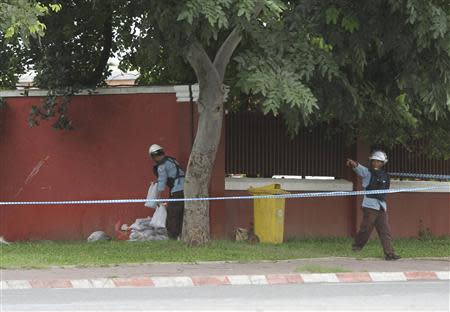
(287,196)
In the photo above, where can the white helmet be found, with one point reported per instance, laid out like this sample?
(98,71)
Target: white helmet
(154,149)
(379,155)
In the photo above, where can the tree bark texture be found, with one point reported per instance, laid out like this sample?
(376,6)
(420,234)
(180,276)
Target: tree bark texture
(196,229)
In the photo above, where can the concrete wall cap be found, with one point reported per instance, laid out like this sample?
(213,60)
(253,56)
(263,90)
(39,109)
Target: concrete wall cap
(99,91)
(243,184)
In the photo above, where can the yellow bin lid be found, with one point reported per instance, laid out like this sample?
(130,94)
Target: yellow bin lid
(271,189)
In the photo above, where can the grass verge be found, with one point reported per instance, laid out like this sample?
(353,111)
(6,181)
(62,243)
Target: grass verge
(317,268)
(45,254)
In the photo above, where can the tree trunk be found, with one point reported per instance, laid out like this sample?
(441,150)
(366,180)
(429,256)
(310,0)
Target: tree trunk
(201,163)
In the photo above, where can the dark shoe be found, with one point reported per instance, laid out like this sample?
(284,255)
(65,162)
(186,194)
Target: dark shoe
(356,249)
(392,257)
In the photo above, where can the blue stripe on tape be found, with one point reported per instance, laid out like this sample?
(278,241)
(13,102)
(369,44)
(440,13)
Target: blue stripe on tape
(287,196)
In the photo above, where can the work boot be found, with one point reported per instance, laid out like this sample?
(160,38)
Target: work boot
(392,257)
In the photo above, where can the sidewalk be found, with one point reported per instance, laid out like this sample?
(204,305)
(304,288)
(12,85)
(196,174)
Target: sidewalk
(229,273)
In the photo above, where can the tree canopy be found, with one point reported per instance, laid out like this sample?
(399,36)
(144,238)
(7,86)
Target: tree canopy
(393,84)
(19,20)
(384,64)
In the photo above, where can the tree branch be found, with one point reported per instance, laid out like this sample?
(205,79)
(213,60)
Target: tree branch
(225,52)
(201,63)
(230,44)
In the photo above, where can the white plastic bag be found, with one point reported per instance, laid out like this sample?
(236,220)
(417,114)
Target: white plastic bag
(151,195)
(159,217)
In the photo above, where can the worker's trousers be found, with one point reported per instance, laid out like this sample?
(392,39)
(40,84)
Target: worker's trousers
(175,211)
(378,219)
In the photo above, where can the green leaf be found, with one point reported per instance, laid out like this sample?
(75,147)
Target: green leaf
(401,98)
(350,24)
(9,32)
(332,15)
(55,7)
(185,15)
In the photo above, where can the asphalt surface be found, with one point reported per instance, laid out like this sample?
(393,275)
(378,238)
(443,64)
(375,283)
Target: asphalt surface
(406,296)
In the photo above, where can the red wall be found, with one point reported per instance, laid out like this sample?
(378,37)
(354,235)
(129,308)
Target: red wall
(104,157)
(303,216)
(334,216)
(411,212)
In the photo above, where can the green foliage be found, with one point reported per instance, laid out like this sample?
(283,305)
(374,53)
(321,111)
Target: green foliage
(280,89)
(159,52)
(21,18)
(76,49)
(320,42)
(332,15)
(350,24)
(394,70)
(55,105)
(276,67)
(214,11)
(72,56)
(220,14)
(12,62)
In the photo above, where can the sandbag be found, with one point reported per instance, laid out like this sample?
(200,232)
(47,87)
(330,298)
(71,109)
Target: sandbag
(3,241)
(98,236)
(141,224)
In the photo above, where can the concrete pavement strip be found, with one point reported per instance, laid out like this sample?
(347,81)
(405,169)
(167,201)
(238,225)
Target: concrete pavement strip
(227,273)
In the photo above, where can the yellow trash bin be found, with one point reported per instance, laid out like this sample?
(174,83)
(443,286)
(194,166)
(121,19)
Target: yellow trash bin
(268,214)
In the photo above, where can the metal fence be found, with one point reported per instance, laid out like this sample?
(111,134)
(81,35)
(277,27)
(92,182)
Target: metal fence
(402,160)
(258,146)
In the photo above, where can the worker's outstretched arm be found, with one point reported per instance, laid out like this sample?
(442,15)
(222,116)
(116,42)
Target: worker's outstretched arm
(358,168)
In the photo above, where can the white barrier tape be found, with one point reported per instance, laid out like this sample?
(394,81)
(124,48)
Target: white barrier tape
(421,176)
(295,195)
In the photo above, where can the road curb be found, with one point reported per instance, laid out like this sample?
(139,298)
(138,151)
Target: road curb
(222,280)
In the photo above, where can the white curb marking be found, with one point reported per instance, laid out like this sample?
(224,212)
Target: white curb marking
(184,281)
(19,284)
(387,276)
(82,283)
(443,275)
(3,285)
(102,283)
(239,279)
(180,281)
(320,278)
(258,280)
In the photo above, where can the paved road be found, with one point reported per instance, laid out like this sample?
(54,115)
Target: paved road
(407,296)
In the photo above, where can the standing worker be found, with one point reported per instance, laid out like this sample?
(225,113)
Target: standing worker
(168,172)
(374,206)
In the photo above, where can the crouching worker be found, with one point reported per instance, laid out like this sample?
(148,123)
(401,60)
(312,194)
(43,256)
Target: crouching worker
(374,206)
(169,173)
